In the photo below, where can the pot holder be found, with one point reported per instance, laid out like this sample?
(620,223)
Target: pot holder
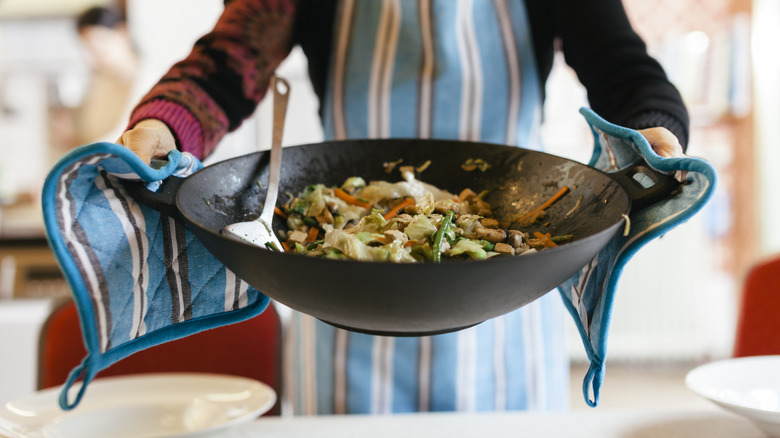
(138,277)
(589,294)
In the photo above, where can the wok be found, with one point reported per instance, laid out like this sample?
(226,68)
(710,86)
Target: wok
(415,298)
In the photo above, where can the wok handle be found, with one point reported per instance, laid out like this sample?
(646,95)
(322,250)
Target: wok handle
(163,200)
(644,185)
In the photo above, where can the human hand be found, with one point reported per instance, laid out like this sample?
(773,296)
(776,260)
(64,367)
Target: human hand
(149,138)
(663,142)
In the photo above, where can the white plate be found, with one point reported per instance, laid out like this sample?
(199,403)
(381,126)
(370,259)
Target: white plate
(748,386)
(145,405)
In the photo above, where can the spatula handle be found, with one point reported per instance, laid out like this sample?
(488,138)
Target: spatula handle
(281,92)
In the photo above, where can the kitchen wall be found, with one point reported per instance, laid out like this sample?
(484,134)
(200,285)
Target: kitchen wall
(766,36)
(40,62)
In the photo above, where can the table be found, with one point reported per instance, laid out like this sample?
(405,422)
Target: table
(594,423)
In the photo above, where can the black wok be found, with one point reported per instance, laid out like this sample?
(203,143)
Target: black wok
(415,298)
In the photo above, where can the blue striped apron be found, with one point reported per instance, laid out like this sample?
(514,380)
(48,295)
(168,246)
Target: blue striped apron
(448,69)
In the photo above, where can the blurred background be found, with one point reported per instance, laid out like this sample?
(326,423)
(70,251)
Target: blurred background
(677,303)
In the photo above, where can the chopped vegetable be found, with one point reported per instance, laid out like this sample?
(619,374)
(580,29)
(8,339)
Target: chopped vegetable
(422,167)
(573,209)
(391,165)
(420,228)
(312,236)
(353,183)
(443,228)
(562,238)
(471,248)
(349,199)
(627,229)
(272,246)
(401,205)
(404,222)
(474,164)
(545,239)
(562,191)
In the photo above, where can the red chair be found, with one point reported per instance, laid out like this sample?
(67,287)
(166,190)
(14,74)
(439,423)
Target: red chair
(251,348)
(758,322)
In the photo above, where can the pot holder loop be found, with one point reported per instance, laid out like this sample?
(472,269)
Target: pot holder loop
(589,294)
(138,277)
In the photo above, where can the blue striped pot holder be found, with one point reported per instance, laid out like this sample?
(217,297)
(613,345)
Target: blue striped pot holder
(590,293)
(138,278)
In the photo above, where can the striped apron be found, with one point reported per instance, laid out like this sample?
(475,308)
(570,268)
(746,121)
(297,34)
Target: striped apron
(446,69)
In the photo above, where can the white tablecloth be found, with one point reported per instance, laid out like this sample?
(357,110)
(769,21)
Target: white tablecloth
(576,424)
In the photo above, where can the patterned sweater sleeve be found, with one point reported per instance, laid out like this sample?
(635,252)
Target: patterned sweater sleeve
(222,80)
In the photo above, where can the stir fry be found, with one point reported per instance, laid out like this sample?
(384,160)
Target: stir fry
(406,222)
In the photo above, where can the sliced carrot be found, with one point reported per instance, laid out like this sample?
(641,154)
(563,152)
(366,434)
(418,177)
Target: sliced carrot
(287,246)
(394,211)
(545,239)
(312,236)
(465,193)
(279,211)
(547,203)
(349,199)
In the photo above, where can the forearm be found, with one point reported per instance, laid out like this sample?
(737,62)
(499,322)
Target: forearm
(220,83)
(625,85)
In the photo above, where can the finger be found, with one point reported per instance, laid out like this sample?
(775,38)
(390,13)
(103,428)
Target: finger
(668,151)
(663,142)
(138,143)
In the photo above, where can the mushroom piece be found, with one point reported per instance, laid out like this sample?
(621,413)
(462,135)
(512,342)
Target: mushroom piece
(492,235)
(516,239)
(444,205)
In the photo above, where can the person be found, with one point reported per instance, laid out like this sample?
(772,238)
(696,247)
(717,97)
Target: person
(114,65)
(466,70)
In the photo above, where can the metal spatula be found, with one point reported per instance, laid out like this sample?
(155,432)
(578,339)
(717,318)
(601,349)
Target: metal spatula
(259,231)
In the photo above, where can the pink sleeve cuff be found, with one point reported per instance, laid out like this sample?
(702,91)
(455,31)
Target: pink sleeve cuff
(185,127)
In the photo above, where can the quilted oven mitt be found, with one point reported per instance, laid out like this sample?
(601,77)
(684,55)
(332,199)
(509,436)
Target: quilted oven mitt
(589,294)
(138,278)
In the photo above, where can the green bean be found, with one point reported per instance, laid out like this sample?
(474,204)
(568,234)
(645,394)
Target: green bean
(272,246)
(437,238)
(562,238)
